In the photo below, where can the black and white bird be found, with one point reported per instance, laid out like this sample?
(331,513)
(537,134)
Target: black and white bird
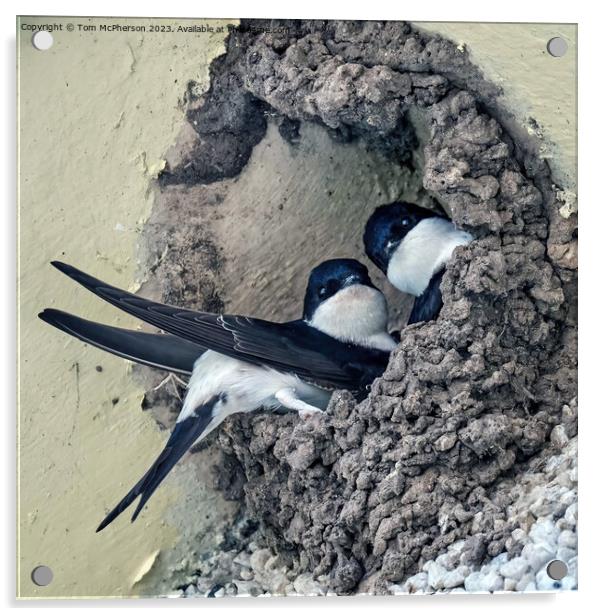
(412,246)
(240,364)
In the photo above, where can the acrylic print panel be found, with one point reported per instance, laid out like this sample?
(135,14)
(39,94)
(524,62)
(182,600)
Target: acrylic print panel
(412,427)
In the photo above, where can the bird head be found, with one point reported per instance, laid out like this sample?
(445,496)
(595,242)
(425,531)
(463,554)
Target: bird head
(388,226)
(342,301)
(410,244)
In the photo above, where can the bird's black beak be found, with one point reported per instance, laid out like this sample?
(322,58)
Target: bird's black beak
(391,248)
(351,280)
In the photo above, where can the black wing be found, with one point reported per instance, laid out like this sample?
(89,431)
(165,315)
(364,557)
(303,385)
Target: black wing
(157,350)
(294,346)
(183,436)
(428,305)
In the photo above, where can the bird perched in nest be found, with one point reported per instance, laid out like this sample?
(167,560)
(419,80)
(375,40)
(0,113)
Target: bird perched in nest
(412,246)
(240,364)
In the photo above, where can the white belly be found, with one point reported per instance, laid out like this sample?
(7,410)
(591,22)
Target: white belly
(246,387)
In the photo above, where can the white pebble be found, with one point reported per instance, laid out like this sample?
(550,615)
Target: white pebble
(544,582)
(570,515)
(456,577)
(445,560)
(572,564)
(445,442)
(567,539)
(565,554)
(273,563)
(243,559)
(544,531)
(493,581)
(526,582)
(416,583)
(258,559)
(305,585)
(509,584)
(478,582)
(436,574)
(558,437)
(568,498)
(278,582)
(474,582)
(542,508)
(569,583)
(499,560)
(247,589)
(246,574)
(514,568)
(538,555)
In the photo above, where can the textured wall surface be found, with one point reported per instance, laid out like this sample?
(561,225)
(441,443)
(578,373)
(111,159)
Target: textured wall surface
(97,114)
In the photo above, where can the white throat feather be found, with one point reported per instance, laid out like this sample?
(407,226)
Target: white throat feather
(423,252)
(357,314)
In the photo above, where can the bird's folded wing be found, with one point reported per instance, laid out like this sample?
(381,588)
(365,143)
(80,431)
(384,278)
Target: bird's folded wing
(157,350)
(293,346)
(428,305)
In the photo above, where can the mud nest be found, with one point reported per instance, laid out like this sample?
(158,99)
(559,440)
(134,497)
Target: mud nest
(370,491)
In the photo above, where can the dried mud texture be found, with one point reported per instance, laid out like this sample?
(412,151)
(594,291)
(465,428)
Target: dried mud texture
(537,510)
(369,492)
(544,489)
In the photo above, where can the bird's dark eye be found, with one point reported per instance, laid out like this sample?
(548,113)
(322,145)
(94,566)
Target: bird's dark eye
(405,221)
(322,292)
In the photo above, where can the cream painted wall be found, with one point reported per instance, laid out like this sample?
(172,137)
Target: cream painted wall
(96,114)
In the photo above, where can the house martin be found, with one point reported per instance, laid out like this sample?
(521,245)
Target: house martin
(412,246)
(241,364)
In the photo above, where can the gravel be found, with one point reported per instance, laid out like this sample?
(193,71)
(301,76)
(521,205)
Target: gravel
(552,495)
(548,485)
